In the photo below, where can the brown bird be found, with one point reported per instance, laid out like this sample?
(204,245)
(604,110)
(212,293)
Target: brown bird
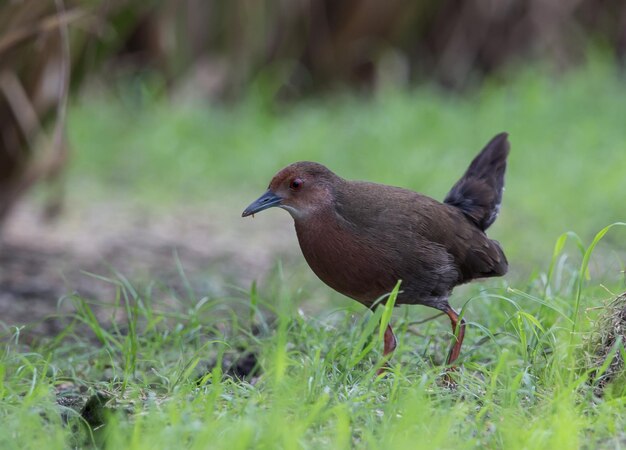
(360,238)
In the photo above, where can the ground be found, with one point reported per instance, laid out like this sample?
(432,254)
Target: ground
(149,176)
(45,260)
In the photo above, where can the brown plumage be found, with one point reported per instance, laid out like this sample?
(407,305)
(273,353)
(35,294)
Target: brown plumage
(360,238)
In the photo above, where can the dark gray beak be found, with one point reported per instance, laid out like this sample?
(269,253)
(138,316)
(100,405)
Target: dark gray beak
(265,201)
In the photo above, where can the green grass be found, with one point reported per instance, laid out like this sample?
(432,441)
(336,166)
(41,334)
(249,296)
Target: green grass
(165,381)
(164,374)
(566,168)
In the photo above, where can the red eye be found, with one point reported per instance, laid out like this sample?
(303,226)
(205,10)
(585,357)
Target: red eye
(296,184)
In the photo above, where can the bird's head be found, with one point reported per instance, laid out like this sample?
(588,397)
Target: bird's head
(300,188)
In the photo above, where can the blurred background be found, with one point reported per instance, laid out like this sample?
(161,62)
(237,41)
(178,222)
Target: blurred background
(133,133)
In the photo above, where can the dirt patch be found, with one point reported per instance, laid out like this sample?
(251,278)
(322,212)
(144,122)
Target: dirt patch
(41,262)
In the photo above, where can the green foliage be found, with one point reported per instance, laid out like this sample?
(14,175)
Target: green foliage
(566,168)
(164,378)
(168,375)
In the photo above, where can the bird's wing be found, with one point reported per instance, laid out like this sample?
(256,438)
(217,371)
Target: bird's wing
(420,233)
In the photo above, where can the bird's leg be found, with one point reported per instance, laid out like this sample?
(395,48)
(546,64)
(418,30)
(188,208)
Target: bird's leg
(459,332)
(390,343)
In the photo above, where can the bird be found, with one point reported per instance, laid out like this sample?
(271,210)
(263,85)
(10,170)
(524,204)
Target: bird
(362,238)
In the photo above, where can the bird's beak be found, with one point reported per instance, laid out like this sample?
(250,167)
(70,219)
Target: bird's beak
(265,201)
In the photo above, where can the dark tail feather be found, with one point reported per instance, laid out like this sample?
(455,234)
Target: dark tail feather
(479,191)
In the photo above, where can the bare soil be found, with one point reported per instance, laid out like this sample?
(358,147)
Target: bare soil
(42,262)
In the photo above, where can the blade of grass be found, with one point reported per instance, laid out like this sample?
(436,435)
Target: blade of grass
(583,270)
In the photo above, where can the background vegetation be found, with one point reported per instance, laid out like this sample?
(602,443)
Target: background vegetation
(172,118)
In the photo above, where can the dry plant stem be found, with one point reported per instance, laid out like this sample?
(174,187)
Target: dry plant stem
(57,21)
(54,152)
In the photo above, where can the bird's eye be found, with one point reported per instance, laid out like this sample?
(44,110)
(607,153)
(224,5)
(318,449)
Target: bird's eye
(296,184)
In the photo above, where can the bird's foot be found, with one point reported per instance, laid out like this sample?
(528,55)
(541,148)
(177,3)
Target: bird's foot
(447,380)
(382,370)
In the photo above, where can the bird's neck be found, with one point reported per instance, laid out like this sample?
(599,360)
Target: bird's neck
(323,223)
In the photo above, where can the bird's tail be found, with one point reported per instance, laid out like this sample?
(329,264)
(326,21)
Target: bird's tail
(479,191)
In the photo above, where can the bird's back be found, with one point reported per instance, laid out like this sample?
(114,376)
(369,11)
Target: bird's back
(430,246)
(374,235)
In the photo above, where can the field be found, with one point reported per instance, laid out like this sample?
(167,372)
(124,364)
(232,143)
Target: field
(286,363)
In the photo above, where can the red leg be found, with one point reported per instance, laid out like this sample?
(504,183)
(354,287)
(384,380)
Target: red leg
(390,343)
(460,334)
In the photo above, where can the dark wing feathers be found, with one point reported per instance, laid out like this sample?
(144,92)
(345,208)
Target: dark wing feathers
(432,247)
(478,193)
